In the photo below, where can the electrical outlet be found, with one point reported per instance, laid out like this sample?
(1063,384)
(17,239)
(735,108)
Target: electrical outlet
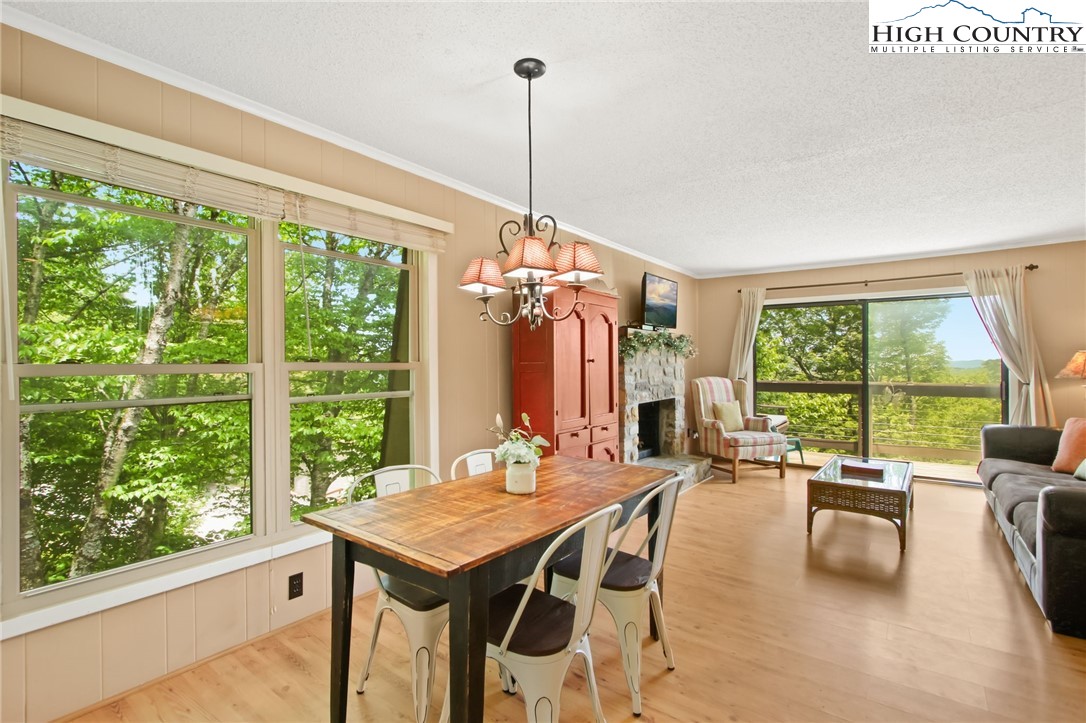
(294,586)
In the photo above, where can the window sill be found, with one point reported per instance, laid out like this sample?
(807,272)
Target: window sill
(97,602)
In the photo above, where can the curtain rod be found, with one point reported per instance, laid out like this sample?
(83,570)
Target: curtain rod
(865,282)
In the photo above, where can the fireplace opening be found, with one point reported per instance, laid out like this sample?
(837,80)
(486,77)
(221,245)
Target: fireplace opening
(648,429)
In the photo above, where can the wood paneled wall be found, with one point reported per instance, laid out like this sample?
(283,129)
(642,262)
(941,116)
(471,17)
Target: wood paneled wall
(473,373)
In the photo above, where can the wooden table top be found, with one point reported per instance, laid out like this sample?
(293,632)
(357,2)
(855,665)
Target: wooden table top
(454,526)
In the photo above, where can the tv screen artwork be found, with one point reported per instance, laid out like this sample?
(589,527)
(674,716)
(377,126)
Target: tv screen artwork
(659,298)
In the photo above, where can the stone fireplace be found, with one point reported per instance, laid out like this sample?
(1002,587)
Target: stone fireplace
(656,378)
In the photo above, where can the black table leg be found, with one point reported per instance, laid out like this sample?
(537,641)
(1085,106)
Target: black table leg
(342,605)
(468,616)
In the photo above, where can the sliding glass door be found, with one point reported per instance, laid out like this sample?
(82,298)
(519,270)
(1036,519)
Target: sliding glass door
(908,379)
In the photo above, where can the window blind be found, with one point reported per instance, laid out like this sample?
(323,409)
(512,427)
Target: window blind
(68,153)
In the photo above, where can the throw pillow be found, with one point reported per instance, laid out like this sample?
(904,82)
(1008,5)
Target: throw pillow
(1072,446)
(1080,473)
(728,413)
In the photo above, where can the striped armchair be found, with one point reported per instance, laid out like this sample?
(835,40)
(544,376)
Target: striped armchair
(753,441)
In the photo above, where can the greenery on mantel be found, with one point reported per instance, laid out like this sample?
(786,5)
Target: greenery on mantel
(637,341)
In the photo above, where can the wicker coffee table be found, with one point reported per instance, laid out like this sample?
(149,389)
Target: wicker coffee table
(878,487)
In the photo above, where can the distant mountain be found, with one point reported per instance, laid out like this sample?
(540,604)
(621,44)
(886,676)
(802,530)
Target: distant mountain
(968,363)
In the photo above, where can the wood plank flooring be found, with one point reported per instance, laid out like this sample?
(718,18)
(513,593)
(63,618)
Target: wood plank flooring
(767,624)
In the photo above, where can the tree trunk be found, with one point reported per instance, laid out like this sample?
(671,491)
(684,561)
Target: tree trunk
(122,429)
(31,571)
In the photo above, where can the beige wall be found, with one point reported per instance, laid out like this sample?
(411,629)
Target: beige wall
(473,373)
(1056,297)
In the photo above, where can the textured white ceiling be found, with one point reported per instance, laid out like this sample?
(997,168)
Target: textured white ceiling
(722,138)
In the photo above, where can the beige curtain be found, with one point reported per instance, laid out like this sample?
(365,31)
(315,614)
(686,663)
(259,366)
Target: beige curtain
(746,328)
(1000,298)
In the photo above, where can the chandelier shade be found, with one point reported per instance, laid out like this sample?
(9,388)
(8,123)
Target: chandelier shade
(577,263)
(483,276)
(529,256)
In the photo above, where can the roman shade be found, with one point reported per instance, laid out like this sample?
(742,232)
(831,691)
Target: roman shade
(68,153)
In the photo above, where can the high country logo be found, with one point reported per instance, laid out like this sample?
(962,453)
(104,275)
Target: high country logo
(998,26)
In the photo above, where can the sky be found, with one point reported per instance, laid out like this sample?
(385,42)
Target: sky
(963,334)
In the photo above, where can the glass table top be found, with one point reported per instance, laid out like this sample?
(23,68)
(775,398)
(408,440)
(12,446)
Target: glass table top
(887,474)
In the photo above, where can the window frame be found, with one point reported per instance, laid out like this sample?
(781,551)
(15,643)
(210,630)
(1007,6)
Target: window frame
(273,534)
(863,392)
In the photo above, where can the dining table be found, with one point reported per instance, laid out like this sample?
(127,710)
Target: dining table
(466,540)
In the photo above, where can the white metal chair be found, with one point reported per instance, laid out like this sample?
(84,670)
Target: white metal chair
(476,461)
(534,636)
(629,585)
(423,613)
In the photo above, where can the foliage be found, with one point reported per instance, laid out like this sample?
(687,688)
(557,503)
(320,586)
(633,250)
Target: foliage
(125,467)
(823,344)
(518,446)
(637,341)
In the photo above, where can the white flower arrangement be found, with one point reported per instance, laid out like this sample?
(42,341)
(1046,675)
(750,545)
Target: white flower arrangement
(518,446)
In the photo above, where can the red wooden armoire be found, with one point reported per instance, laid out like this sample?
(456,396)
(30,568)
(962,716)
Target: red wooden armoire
(565,376)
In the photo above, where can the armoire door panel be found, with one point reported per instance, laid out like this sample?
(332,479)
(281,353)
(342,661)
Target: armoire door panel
(602,363)
(571,387)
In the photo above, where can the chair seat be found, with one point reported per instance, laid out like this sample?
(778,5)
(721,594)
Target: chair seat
(412,596)
(627,572)
(754,439)
(545,627)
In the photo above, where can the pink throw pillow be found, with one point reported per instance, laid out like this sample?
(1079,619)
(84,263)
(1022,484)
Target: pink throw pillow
(1072,446)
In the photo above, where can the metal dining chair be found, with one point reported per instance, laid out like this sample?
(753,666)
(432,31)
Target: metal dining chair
(476,461)
(629,584)
(534,636)
(423,613)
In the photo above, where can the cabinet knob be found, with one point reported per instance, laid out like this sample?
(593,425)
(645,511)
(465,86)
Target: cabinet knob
(590,360)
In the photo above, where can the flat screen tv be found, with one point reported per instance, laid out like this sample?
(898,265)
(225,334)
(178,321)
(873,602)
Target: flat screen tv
(659,301)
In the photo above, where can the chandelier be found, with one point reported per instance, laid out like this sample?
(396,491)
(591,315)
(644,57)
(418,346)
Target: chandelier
(533,271)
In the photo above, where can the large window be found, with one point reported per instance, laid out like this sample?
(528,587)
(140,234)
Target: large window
(184,376)
(134,390)
(899,378)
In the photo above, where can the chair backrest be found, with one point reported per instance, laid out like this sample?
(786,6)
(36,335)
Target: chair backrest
(657,534)
(476,461)
(597,528)
(707,390)
(396,478)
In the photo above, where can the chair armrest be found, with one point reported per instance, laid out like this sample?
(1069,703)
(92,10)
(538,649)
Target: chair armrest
(709,424)
(756,424)
(1020,443)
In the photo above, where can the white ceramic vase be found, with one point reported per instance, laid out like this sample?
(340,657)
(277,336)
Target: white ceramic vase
(520,478)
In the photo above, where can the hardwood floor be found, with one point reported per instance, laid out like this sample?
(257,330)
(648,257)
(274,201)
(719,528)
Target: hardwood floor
(766,622)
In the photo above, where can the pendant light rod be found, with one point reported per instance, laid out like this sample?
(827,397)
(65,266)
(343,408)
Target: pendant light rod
(530,68)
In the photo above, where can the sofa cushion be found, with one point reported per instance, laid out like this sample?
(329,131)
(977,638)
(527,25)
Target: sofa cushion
(992,467)
(1012,490)
(1072,446)
(1025,521)
(1080,473)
